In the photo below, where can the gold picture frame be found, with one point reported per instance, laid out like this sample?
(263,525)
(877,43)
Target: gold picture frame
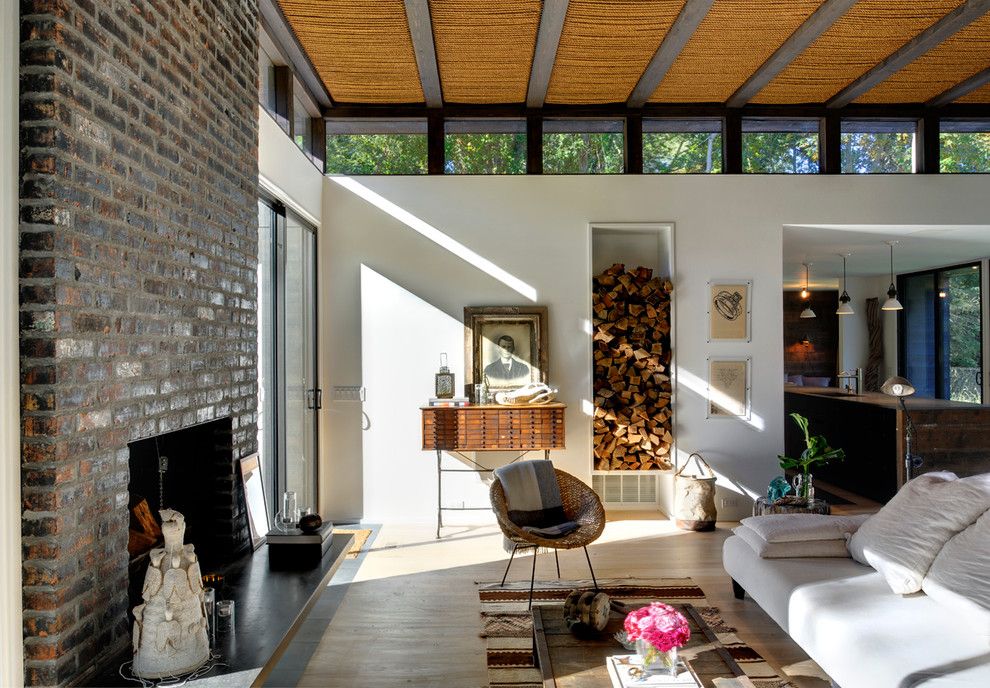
(505,347)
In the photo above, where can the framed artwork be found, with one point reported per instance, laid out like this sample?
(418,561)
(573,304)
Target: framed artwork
(729,310)
(729,387)
(254,499)
(505,347)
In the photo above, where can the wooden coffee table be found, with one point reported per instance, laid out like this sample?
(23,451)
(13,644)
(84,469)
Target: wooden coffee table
(566,661)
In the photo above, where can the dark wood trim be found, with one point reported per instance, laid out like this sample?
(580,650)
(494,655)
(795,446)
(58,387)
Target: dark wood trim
(691,14)
(318,142)
(547,39)
(633,144)
(278,28)
(283,98)
(435,157)
(829,147)
(421,30)
(961,89)
(931,37)
(819,22)
(534,144)
(929,148)
(732,142)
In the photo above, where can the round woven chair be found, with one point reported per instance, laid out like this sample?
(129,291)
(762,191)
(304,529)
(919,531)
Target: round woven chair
(581,505)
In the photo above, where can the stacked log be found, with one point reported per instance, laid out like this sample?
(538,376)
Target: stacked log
(632,423)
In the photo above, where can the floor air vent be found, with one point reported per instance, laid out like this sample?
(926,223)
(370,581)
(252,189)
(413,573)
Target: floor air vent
(626,488)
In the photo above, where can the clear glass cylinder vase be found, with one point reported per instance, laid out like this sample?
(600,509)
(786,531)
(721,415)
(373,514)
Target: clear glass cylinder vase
(656,661)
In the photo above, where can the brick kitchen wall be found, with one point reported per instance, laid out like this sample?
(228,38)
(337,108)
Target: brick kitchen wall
(820,356)
(138,267)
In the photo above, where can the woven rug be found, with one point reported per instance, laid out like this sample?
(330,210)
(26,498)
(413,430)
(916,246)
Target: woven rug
(508,627)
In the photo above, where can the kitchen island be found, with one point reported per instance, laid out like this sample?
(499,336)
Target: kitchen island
(949,435)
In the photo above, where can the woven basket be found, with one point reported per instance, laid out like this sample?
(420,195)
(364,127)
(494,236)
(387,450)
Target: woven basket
(694,496)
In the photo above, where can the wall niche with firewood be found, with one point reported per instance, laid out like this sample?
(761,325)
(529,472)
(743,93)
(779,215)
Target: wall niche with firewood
(632,354)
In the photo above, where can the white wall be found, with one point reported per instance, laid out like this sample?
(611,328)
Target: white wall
(11,660)
(286,172)
(535,229)
(854,345)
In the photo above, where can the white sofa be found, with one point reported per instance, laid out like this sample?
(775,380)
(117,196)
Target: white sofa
(931,542)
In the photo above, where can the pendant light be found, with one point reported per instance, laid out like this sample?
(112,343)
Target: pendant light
(891,304)
(844,307)
(805,293)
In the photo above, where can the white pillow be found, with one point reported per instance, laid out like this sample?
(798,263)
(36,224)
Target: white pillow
(803,527)
(787,550)
(959,578)
(902,540)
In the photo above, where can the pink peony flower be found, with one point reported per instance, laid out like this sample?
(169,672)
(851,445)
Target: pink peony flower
(659,624)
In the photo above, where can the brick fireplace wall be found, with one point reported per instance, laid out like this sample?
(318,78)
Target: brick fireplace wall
(138,264)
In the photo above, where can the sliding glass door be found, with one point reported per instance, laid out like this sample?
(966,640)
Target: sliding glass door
(941,332)
(287,374)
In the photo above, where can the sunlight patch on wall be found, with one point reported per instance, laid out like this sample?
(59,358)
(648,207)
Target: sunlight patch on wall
(688,380)
(436,236)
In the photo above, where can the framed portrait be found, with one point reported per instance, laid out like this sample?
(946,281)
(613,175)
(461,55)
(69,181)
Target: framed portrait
(729,387)
(729,310)
(254,499)
(505,347)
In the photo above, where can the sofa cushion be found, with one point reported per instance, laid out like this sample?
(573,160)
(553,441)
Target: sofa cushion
(959,578)
(803,527)
(902,540)
(784,550)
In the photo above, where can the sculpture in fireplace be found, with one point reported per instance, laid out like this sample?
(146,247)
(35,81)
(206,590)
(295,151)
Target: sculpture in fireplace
(170,636)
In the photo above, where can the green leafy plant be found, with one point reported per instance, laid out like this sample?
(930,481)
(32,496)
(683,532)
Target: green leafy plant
(817,452)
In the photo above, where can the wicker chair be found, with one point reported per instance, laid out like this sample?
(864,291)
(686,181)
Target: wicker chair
(581,505)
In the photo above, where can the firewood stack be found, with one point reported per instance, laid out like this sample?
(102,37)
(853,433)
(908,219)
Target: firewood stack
(632,370)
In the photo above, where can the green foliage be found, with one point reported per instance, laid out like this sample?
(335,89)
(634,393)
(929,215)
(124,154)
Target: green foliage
(780,153)
(877,153)
(668,153)
(963,289)
(376,154)
(965,152)
(817,451)
(485,153)
(582,153)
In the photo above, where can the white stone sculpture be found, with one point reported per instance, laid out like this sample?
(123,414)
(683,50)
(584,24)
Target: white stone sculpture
(170,627)
(532,393)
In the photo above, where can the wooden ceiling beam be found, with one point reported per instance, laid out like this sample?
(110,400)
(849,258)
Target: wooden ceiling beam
(806,34)
(961,89)
(954,21)
(421,30)
(545,53)
(691,15)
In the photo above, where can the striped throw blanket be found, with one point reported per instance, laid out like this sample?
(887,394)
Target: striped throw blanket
(533,498)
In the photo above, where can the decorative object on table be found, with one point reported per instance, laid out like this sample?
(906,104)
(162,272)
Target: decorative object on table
(790,505)
(729,311)
(444,380)
(170,630)
(729,387)
(901,387)
(694,496)
(225,616)
(287,519)
(586,612)
(631,325)
(210,608)
(778,488)
(506,346)
(254,499)
(297,549)
(531,393)
(310,523)
(658,630)
(817,452)
(451,402)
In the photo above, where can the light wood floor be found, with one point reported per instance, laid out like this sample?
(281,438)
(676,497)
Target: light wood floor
(411,616)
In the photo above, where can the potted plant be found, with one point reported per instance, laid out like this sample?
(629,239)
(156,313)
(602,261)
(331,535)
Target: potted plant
(817,452)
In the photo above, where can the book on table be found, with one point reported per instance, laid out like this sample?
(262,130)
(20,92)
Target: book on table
(626,672)
(451,402)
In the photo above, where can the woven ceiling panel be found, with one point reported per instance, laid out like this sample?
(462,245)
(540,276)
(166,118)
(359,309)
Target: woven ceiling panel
(730,44)
(605,46)
(484,48)
(980,95)
(865,35)
(362,50)
(955,60)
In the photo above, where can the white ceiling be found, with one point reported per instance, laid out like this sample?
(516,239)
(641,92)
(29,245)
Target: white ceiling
(919,247)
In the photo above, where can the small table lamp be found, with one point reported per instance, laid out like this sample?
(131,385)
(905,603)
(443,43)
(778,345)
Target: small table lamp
(900,387)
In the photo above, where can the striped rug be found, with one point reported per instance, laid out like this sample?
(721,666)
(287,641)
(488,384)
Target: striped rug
(507,624)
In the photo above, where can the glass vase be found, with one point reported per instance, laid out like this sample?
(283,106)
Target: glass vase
(804,487)
(656,662)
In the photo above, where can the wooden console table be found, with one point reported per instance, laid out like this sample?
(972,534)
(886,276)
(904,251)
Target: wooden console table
(489,427)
